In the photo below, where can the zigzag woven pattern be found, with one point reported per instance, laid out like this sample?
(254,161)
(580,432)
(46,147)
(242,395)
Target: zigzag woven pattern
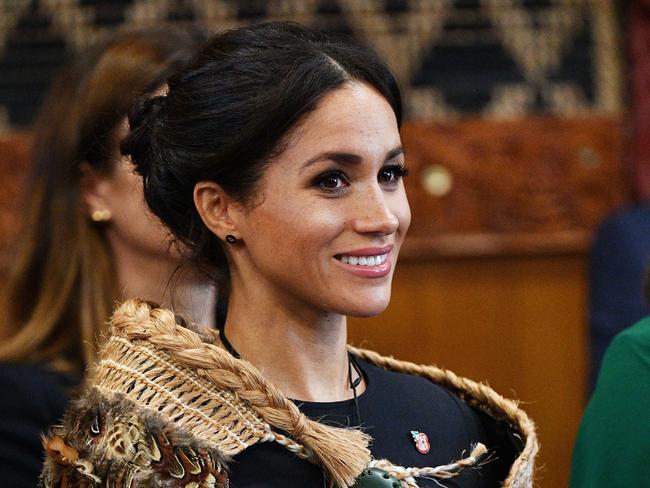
(152,380)
(495,58)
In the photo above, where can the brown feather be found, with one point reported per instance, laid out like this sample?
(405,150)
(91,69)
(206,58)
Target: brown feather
(58,450)
(114,443)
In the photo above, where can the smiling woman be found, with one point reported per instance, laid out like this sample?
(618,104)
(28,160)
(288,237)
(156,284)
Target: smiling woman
(329,203)
(276,157)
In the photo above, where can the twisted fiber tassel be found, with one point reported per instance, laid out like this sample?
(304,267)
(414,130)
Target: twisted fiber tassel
(407,475)
(477,395)
(342,453)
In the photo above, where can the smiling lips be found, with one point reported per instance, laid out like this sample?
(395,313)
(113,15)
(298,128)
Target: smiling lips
(371,263)
(365,260)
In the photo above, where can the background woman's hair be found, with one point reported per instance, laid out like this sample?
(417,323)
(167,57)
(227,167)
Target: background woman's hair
(60,290)
(230,111)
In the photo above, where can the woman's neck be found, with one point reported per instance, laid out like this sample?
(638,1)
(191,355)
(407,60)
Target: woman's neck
(302,352)
(160,280)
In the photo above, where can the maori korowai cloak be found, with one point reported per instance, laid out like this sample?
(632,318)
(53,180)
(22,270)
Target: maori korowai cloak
(165,406)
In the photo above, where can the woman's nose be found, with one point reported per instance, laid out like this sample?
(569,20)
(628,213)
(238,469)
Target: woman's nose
(373,214)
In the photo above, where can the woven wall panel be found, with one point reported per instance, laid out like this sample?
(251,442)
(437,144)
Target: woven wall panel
(491,58)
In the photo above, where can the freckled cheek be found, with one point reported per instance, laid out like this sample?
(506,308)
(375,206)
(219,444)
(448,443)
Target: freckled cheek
(305,231)
(316,233)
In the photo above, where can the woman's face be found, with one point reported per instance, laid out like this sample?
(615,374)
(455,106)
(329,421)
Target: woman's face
(331,214)
(133,231)
(133,227)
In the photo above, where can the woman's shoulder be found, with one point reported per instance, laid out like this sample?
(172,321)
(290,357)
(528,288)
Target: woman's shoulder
(638,333)
(34,398)
(421,404)
(466,406)
(630,348)
(414,388)
(32,371)
(626,363)
(160,451)
(616,423)
(36,388)
(409,383)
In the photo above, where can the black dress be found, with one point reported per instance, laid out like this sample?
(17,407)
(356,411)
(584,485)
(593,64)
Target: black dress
(393,406)
(33,397)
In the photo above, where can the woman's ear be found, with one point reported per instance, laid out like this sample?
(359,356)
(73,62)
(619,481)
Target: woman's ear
(216,209)
(94,194)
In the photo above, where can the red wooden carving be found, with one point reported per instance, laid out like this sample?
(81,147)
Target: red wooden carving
(527,186)
(639,45)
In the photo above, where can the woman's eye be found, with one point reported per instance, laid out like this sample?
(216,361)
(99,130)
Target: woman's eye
(391,175)
(331,181)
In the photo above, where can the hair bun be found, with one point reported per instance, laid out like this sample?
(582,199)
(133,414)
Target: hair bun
(145,116)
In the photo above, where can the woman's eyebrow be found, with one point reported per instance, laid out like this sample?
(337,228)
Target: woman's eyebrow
(393,153)
(348,159)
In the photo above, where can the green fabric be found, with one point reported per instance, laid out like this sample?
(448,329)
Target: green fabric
(613,445)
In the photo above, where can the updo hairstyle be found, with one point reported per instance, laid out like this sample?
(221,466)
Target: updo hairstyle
(229,112)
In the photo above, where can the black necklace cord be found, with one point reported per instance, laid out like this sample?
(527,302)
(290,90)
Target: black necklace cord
(226,343)
(352,363)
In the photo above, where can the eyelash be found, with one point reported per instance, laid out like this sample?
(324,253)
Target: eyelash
(399,171)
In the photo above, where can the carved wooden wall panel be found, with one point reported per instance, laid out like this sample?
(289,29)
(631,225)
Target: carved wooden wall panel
(527,186)
(476,187)
(639,47)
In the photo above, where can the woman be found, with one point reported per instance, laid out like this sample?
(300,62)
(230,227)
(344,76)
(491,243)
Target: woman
(87,240)
(276,157)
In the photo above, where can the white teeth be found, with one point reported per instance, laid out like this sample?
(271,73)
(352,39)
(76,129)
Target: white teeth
(364,260)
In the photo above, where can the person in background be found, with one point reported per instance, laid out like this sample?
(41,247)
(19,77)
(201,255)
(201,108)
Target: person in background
(612,448)
(87,241)
(619,257)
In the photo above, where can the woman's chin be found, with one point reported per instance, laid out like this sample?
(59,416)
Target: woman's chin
(367,308)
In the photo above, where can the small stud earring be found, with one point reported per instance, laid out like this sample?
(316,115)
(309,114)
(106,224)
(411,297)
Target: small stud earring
(101,215)
(231,239)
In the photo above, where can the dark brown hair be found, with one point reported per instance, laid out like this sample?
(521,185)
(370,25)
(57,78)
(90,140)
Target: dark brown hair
(230,111)
(60,290)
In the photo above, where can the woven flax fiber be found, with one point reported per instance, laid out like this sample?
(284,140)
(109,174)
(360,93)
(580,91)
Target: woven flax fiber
(162,366)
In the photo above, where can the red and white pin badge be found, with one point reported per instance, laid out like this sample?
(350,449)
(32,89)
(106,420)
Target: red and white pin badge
(421,441)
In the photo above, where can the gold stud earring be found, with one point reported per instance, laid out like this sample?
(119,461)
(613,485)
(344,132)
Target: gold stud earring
(101,215)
